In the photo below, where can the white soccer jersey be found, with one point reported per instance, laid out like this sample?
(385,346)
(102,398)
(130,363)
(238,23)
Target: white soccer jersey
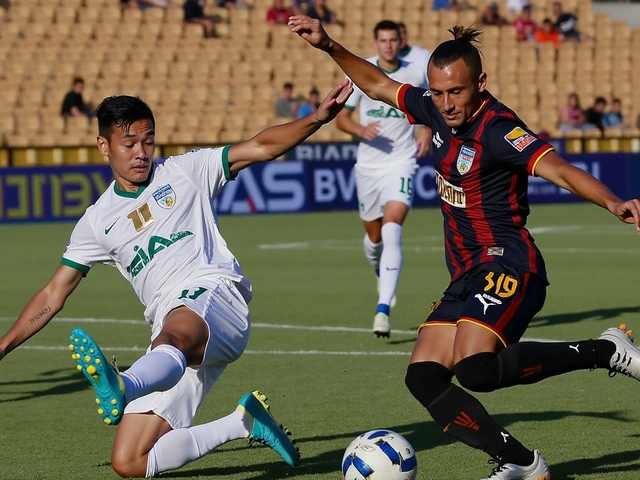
(396,139)
(164,234)
(417,56)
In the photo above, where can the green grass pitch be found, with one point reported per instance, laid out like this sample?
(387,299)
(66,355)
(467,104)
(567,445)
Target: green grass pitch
(329,385)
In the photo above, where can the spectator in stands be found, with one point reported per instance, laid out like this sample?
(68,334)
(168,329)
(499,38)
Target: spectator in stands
(525,26)
(300,7)
(311,105)
(547,33)
(286,105)
(491,16)
(571,115)
(516,6)
(614,118)
(320,11)
(73,104)
(595,114)
(278,14)
(142,4)
(566,24)
(194,13)
(232,4)
(455,5)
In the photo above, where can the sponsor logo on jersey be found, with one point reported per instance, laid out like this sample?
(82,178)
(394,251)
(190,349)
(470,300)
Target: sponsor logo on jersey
(108,229)
(380,113)
(165,197)
(427,93)
(155,245)
(465,159)
(519,139)
(495,251)
(450,193)
(437,141)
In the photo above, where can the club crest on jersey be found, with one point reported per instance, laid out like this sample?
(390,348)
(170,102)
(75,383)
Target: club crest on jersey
(165,197)
(519,138)
(465,159)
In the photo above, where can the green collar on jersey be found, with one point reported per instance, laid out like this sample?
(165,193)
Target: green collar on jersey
(405,51)
(137,193)
(388,72)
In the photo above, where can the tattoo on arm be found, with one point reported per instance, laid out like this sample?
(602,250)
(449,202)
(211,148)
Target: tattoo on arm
(39,315)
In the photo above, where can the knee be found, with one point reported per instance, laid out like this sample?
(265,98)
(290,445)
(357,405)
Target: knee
(427,380)
(128,466)
(475,373)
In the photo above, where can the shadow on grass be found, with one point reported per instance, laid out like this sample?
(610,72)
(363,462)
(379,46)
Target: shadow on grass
(63,381)
(608,314)
(423,436)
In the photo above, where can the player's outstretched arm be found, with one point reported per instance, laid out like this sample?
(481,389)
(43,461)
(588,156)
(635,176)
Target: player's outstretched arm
(371,80)
(272,142)
(41,308)
(553,168)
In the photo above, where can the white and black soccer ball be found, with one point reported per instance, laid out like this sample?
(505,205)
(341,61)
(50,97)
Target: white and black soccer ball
(380,455)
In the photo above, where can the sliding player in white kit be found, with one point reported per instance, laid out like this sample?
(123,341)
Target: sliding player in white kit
(156,224)
(385,165)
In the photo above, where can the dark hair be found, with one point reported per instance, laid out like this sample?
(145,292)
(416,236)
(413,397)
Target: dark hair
(288,85)
(385,25)
(600,100)
(121,111)
(547,20)
(314,91)
(78,80)
(463,46)
(616,100)
(401,25)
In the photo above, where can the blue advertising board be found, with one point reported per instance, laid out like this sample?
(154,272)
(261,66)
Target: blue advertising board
(63,193)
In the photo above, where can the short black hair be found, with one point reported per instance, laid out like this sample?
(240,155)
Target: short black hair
(402,25)
(121,111)
(463,46)
(385,25)
(616,100)
(600,100)
(288,86)
(78,80)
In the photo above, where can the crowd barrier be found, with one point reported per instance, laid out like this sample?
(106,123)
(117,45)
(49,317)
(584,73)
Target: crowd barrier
(63,193)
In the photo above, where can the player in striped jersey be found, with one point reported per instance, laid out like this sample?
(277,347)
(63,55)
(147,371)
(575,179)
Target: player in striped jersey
(483,156)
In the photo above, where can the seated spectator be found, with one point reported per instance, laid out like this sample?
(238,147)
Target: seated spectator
(566,24)
(232,4)
(548,34)
(571,115)
(491,16)
(614,117)
(194,13)
(278,14)
(73,105)
(286,104)
(454,5)
(594,115)
(525,26)
(300,7)
(320,11)
(311,105)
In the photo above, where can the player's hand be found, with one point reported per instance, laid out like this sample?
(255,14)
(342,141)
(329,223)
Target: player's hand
(423,142)
(628,212)
(311,30)
(1,354)
(334,102)
(370,131)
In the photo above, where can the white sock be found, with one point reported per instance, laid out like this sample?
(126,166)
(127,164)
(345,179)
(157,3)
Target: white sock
(390,262)
(179,447)
(372,251)
(158,370)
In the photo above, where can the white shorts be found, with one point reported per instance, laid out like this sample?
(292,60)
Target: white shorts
(226,313)
(377,186)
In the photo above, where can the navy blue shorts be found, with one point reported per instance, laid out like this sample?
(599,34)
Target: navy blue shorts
(498,297)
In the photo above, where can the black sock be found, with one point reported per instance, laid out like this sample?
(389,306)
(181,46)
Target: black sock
(529,362)
(463,417)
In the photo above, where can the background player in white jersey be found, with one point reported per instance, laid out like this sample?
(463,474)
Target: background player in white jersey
(156,224)
(412,53)
(386,162)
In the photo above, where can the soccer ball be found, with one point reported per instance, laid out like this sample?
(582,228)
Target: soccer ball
(380,455)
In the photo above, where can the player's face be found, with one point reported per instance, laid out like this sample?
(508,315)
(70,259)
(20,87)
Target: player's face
(403,37)
(130,153)
(455,92)
(388,44)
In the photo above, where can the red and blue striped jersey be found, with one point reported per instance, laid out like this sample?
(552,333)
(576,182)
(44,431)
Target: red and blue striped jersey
(482,174)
